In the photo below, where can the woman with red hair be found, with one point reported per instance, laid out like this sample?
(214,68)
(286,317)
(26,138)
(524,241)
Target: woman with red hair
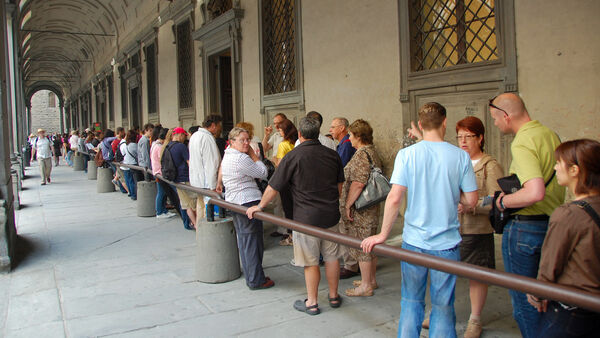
(477,246)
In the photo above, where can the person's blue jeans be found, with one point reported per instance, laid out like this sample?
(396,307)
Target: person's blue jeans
(161,199)
(557,322)
(130,181)
(414,283)
(69,158)
(521,249)
(86,158)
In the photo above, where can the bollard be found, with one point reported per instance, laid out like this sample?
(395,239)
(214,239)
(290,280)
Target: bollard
(146,199)
(104,183)
(78,162)
(15,184)
(217,257)
(92,171)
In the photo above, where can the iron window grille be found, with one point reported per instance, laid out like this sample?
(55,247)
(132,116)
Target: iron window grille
(122,70)
(445,33)
(51,100)
(184,65)
(111,98)
(279,46)
(217,7)
(151,78)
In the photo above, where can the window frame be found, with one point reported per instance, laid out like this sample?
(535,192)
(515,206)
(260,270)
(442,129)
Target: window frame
(503,69)
(188,112)
(289,100)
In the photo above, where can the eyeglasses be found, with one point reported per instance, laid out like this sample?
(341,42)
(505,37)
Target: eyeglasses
(491,104)
(465,137)
(242,141)
(331,127)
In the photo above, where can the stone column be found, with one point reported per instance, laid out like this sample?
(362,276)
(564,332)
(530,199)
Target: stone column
(8,233)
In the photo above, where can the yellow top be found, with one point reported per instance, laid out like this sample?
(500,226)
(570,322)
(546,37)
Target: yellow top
(532,157)
(284,147)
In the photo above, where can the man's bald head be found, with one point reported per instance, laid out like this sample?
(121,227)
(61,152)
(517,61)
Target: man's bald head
(512,104)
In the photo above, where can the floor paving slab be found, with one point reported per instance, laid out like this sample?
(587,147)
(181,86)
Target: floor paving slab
(90,268)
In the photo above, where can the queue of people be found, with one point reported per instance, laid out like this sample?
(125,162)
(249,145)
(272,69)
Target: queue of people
(448,192)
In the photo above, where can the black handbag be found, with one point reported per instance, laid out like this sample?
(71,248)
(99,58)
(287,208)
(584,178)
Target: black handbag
(509,185)
(376,189)
(263,184)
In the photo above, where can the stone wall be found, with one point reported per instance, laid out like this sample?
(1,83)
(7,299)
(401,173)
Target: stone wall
(43,114)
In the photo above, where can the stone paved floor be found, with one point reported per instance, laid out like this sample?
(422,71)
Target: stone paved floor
(89,267)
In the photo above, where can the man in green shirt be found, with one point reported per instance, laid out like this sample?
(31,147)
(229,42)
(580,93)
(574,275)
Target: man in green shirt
(532,161)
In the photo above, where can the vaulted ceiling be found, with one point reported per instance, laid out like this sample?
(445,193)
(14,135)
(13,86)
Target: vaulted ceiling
(63,41)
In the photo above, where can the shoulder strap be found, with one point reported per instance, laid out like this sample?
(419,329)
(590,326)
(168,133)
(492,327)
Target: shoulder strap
(262,151)
(588,208)
(551,177)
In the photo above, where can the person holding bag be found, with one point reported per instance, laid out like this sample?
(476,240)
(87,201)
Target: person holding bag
(360,223)
(571,249)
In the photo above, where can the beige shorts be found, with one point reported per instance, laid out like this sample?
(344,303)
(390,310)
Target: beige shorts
(187,198)
(307,249)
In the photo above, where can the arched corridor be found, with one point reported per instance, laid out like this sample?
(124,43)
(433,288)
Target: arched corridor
(88,266)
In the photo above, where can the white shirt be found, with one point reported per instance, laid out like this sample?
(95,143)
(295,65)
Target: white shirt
(326,141)
(239,172)
(205,159)
(42,148)
(74,142)
(274,141)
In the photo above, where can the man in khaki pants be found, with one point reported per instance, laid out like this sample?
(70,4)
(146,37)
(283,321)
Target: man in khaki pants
(43,149)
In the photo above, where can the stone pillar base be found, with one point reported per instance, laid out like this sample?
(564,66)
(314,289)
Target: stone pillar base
(104,182)
(92,173)
(146,199)
(217,257)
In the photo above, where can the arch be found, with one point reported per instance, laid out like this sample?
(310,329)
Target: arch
(44,85)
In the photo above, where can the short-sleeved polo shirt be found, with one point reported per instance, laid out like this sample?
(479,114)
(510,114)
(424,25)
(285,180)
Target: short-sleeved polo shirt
(533,157)
(312,172)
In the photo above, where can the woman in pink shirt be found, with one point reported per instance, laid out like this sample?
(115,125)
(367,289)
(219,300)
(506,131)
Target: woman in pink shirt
(158,137)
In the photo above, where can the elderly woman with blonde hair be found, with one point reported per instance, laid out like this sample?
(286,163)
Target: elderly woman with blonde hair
(239,169)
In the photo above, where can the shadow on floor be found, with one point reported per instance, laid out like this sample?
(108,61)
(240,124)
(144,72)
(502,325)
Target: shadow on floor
(24,248)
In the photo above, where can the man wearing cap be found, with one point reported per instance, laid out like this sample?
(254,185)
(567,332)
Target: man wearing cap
(43,149)
(181,158)
(205,157)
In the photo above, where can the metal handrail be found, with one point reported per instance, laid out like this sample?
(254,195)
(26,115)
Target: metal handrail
(512,281)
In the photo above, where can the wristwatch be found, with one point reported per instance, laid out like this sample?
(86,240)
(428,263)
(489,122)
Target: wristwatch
(502,203)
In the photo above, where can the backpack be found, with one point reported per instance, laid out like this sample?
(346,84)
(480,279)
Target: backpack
(168,168)
(119,156)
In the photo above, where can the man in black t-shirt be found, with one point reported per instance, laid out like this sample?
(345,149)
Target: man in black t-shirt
(314,174)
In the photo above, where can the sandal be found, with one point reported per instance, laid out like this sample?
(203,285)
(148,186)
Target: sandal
(355,293)
(335,302)
(358,282)
(312,310)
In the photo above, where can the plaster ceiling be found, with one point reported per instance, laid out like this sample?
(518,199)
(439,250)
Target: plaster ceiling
(62,40)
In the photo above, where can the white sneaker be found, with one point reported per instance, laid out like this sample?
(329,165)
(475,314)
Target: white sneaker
(170,214)
(165,215)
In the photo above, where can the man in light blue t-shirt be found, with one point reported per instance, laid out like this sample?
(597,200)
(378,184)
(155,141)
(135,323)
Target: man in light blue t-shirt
(436,176)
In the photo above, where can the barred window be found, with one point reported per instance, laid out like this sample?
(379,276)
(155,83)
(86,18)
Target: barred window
(184,65)
(111,98)
(217,7)
(279,46)
(151,77)
(446,33)
(51,100)
(123,92)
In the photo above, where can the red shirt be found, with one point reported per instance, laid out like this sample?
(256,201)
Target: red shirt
(115,145)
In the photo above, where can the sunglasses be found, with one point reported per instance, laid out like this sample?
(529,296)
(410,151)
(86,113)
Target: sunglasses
(491,104)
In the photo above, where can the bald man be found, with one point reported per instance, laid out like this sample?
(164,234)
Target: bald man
(532,161)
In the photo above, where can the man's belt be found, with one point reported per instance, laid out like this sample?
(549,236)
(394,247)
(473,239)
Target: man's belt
(530,217)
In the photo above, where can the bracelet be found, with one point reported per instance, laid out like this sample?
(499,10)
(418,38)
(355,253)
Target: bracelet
(259,207)
(502,202)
